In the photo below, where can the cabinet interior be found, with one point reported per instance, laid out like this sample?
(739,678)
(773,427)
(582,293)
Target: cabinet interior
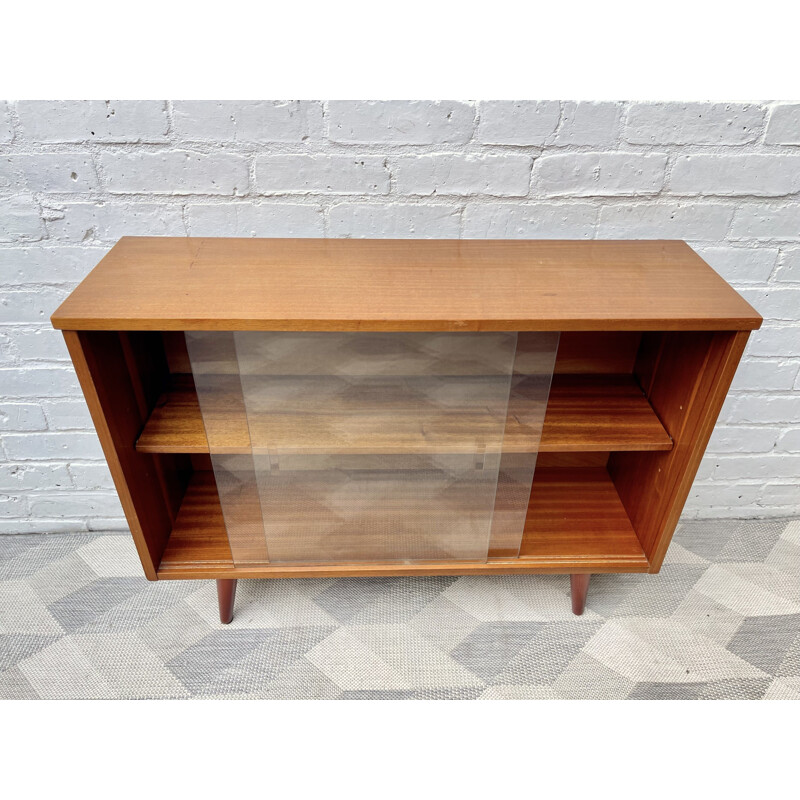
(618,444)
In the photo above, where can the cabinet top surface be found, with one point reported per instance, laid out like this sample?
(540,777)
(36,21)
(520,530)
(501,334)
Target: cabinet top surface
(158,283)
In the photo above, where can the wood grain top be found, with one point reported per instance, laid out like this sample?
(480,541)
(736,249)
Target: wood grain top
(154,283)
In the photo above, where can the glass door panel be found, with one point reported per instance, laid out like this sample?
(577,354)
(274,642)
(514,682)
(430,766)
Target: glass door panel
(372,446)
(527,404)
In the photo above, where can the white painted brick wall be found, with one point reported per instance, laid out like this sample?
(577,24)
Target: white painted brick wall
(667,219)
(6,131)
(741,265)
(255,219)
(595,124)
(248,121)
(393,220)
(397,122)
(301,174)
(93,120)
(445,174)
(766,222)
(599,174)
(107,220)
(530,221)
(67,173)
(784,125)
(789,441)
(75,176)
(175,172)
(20,219)
(34,266)
(789,268)
(526,123)
(693,123)
(22,417)
(762,175)
(772,340)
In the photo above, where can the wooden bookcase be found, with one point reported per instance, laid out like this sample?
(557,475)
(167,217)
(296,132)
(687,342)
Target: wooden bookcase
(650,338)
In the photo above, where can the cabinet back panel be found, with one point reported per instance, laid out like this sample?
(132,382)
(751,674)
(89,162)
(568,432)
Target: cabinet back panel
(597,352)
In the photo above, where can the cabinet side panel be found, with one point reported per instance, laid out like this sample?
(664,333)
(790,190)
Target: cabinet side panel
(149,372)
(103,373)
(686,376)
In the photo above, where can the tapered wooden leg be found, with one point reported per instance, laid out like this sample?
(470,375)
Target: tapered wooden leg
(226,592)
(579,585)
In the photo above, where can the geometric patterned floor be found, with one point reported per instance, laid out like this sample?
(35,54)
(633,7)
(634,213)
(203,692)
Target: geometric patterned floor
(720,621)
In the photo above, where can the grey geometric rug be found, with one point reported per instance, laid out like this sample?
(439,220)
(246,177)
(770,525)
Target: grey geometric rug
(720,621)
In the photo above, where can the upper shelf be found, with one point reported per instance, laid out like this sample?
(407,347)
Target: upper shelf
(584,413)
(153,283)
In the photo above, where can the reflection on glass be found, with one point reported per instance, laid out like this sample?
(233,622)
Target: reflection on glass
(527,403)
(372,446)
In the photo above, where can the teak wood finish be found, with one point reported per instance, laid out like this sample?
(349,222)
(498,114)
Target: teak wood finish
(226,594)
(576,522)
(584,413)
(651,338)
(168,284)
(579,587)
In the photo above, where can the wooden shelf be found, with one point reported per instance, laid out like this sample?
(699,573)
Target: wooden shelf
(575,522)
(600,412)
(576,515)
(584,413)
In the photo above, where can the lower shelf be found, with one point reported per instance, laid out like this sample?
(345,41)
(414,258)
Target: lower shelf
(576,523)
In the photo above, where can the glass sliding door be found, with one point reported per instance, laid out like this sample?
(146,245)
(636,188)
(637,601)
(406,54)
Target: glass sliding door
(342,447)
